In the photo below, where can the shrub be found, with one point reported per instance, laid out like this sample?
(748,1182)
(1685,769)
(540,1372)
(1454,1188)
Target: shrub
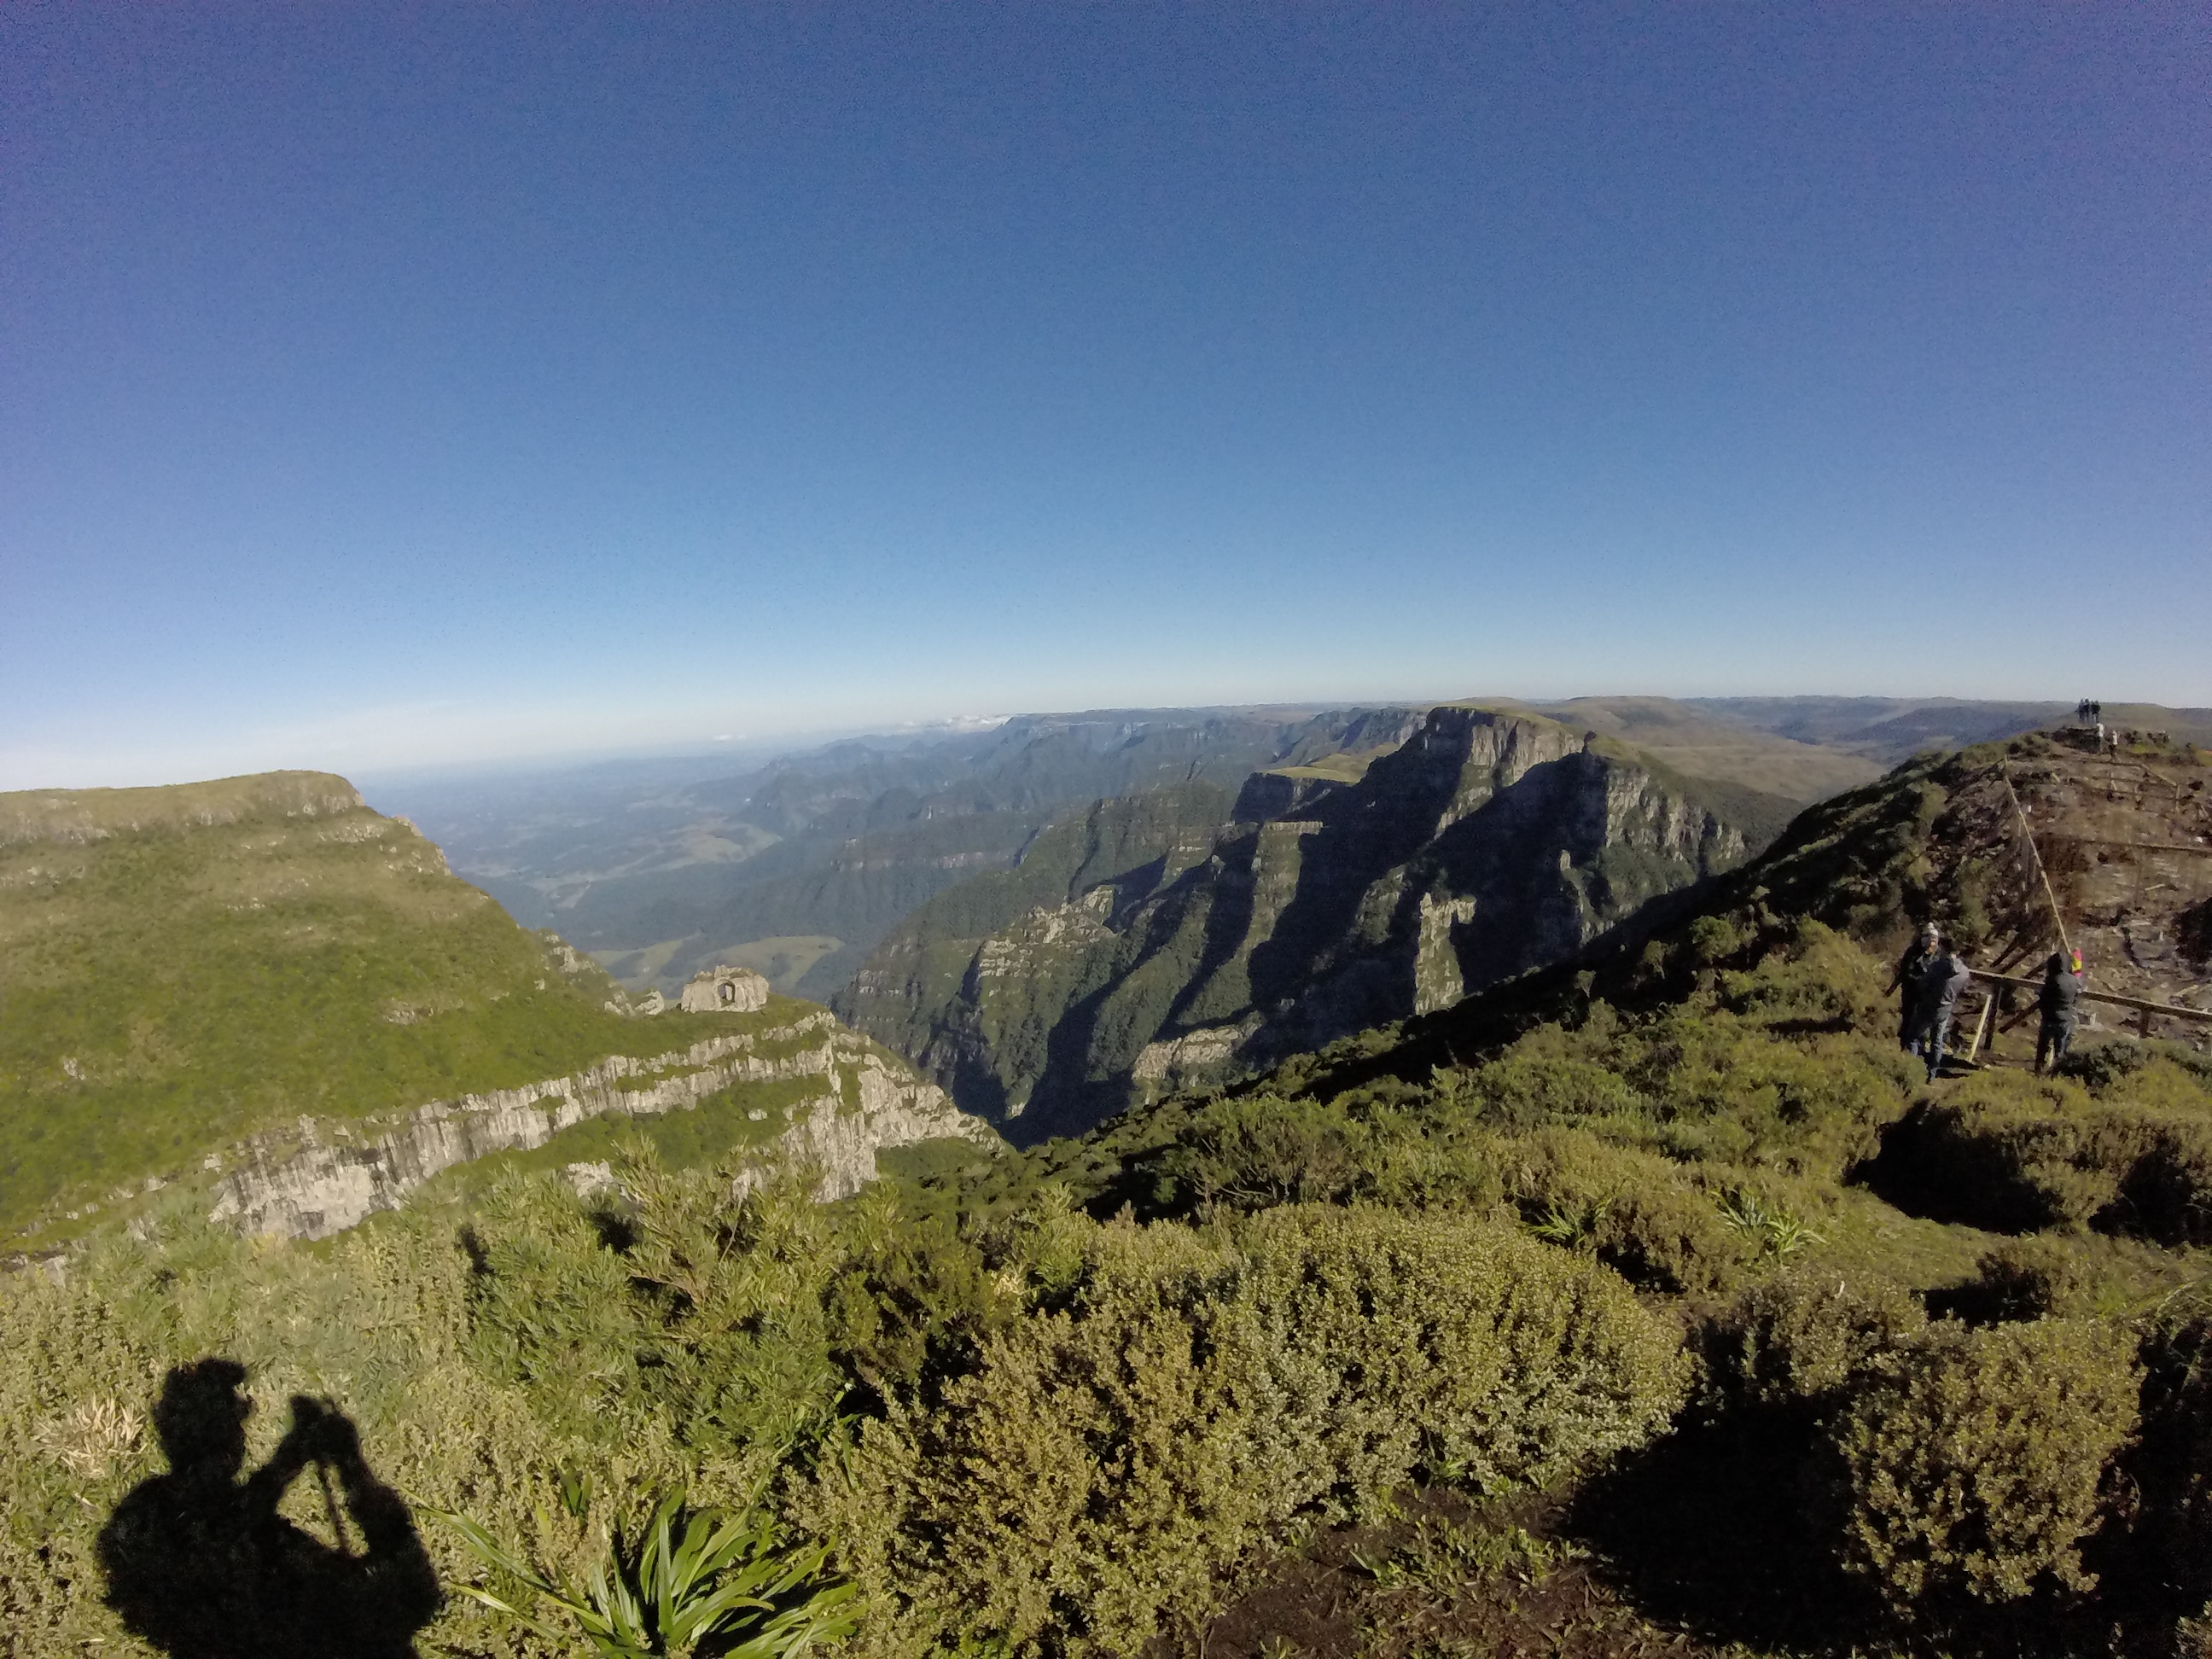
(1725,1088)
(1821,980)
(1807,1337)
(2017,1154)
(1972,1473)
(1452,1346)
(2173,1467)
(1524,1089)
(2027,1279)
(2107,1066)
(1247,1154)
(1632,1210)
(1110,1466)
(1715,938)
(2163,1083)
(690,1581)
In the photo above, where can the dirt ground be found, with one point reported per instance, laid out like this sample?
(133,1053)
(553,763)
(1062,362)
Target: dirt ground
(1447,1578)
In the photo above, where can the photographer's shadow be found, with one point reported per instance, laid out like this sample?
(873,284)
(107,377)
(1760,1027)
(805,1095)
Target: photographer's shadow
(200,1565)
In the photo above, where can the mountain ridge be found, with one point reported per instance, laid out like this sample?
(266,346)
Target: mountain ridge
(1492,840)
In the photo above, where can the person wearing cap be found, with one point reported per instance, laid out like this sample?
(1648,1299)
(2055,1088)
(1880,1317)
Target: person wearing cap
(1906,979)
(1943,980)
(2057,1001)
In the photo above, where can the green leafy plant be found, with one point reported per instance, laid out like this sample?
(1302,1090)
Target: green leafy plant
(1445,1557)
(687,1577)
(1571,1227)
(1776,1233)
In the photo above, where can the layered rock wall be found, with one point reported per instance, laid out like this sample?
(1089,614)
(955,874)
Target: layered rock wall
(332,1176)
(1488,843)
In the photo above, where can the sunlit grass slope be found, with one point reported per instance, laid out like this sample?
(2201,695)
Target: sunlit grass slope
(181,967)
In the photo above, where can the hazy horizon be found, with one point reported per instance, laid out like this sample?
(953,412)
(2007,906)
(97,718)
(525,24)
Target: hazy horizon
(743,751)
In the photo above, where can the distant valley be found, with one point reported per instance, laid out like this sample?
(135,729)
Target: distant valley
(801,864)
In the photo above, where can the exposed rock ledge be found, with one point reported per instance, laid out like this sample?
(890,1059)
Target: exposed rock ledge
(866,1102)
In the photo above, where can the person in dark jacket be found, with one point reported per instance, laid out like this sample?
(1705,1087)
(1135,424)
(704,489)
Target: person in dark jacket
(2058,1001)
(1907,982)
(1943,980)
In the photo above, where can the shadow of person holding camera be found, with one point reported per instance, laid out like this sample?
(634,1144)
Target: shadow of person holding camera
(200,1563)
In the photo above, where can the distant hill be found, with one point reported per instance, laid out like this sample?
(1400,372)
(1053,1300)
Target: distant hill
(1703,745)
(1130,951)
(804,864)
(1888,730)
(183,968)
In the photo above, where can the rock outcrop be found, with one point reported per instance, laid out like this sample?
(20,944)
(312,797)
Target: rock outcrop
(333,1176)
(1488,843)
(725,990)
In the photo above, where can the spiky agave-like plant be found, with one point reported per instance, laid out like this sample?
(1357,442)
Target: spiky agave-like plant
(688,1575)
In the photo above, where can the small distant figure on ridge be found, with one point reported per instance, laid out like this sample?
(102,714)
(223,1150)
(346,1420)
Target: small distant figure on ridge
(200,1565)
(2058,1001)
(1942,979)
(1907,982)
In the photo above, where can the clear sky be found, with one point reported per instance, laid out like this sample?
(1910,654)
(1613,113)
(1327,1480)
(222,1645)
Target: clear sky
(382,385)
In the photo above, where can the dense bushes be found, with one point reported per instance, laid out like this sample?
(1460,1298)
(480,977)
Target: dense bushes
(1972,1468)
(2017,1154)
(1066,1402)
(1040,1426)
(2171,1538)
(1199,1396)
(1634,1211)
(1806,1338)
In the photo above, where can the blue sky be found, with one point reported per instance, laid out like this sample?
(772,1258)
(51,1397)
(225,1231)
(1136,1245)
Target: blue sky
(382,385)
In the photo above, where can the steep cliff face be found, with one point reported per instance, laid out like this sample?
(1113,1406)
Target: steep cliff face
(328,1176)
(183,968)
(1485,844)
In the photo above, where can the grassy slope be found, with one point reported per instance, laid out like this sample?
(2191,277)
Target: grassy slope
(251,951)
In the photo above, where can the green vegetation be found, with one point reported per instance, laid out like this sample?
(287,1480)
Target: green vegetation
(1975,1468)
(688,1578)
(1180,1401)
(1655,1300)
(181,969)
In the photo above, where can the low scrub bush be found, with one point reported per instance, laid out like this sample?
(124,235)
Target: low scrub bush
(1701,1081)
(2172,1536)
(1806,1338)
(1526,1087)
(1970,1471)
(1634,1211)
(2112,1070)
(1247,1154)
(2017,1154)
(1196,1398)
(2025,1279)
(1820,980)
(1724,1088)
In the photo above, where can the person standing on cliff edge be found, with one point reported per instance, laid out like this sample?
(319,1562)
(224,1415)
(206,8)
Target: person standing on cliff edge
(1943,980)
(2058,1001)
(1906,980)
